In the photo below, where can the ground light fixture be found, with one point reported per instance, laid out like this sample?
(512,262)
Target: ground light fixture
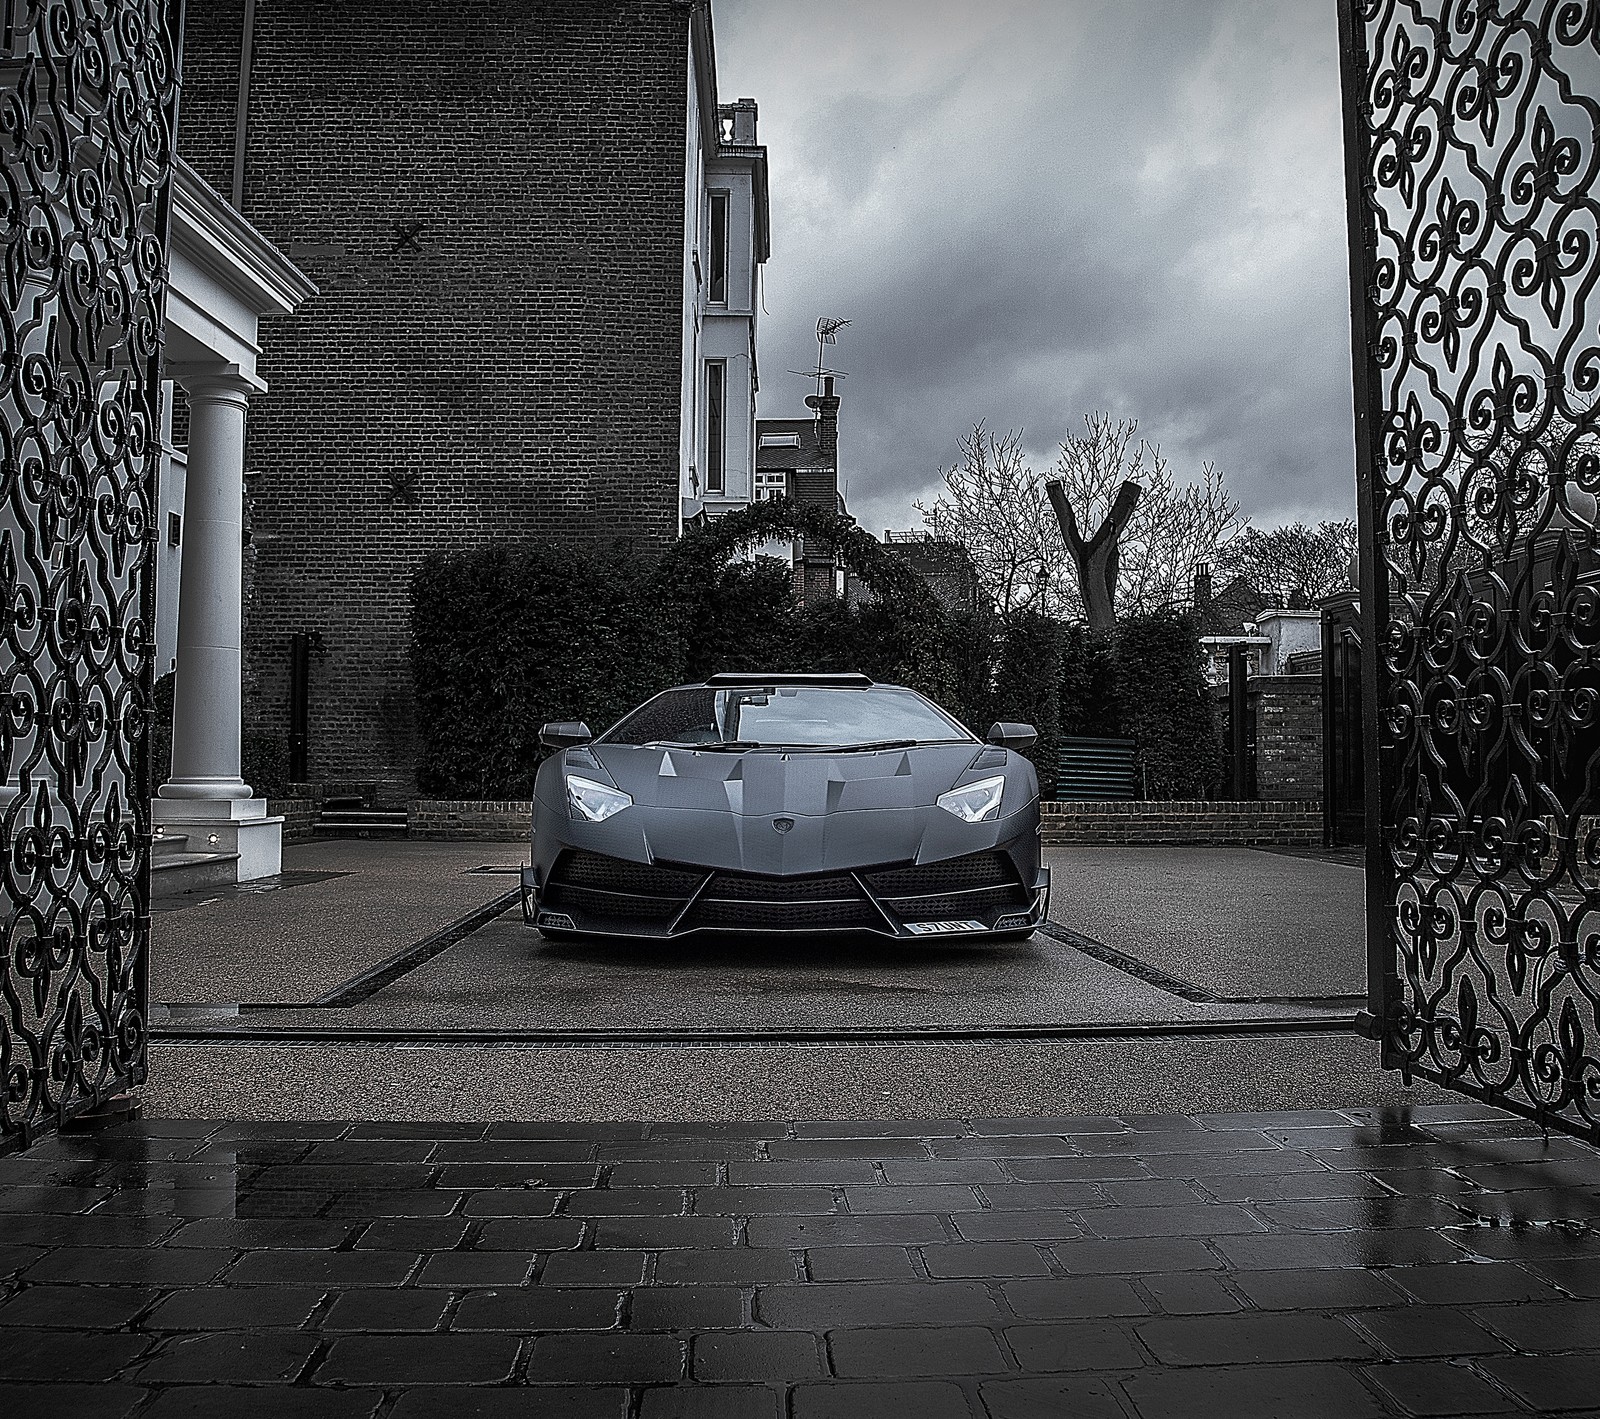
(974,802)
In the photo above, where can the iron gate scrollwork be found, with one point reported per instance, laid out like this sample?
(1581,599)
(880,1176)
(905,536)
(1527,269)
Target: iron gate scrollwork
(88,103)
(1473,148)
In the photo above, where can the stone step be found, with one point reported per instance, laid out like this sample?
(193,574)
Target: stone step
(363,822)
(166,845)
(174,873)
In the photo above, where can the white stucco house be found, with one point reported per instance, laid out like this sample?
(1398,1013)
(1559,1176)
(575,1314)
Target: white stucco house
(726,243)
(224,276)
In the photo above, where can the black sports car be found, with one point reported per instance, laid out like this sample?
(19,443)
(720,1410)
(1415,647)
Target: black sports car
(790,803)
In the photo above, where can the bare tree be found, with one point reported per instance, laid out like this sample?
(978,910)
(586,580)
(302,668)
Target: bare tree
(1155,540)
(1294,565)
(994,505)
(1131,549)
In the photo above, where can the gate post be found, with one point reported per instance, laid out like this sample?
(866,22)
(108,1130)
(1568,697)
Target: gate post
(1383,982)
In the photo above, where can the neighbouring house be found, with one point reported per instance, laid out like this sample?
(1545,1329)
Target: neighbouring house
(721,473)
(535,231)
(945,566)
(224,283)
(799,458)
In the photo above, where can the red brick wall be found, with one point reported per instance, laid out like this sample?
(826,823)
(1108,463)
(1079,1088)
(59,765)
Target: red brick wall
(212,32)
(1288,736)
(517,376)
(1288,719)
(1221,822)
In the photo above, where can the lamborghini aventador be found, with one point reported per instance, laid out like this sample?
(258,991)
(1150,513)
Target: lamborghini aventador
(786,803)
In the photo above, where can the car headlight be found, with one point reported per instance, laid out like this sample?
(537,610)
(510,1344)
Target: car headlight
(974,802)
(594,801)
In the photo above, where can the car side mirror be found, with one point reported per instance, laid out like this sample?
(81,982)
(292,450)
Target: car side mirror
(1013,736)
(565,734)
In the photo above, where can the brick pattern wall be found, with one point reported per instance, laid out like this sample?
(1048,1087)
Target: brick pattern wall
(490,197)
(299,816)
(1213,822)
(213,35)
(1287,710)
(1288,737)
(1280,824)
(506,820)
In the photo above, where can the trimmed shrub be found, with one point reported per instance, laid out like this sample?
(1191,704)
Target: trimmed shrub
(1164,706)
(1090,704)
(1027,687)
(505,638)
(747,619)
(970,659)
(264,762)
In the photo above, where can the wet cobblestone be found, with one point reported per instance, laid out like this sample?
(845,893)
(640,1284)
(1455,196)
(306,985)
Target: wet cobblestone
(1442,1260)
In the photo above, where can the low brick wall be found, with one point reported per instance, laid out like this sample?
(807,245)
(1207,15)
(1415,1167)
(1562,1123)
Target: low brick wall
(299,815)
(500,820)
(1218,823)
(1221,822)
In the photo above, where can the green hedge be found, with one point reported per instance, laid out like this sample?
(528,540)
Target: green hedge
(506,637)
(1145,682)
(1091,704)
(1027,687)
(1164,708)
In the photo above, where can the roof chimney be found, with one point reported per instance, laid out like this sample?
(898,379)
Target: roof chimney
(827,406)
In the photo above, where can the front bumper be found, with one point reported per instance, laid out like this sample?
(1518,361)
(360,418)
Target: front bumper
(970,897)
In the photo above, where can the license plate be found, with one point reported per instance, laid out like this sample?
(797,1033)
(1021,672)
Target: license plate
(936,928)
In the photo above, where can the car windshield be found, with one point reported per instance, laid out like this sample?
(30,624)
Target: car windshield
(788,717)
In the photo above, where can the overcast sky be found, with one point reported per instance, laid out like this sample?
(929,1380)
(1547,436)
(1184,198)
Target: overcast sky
(1033,208)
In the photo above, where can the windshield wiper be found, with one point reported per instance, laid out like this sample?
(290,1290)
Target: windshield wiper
(698,744)
(877,744)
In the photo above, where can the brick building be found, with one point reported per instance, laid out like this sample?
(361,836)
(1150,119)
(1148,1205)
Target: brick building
(799,458)
(504,207)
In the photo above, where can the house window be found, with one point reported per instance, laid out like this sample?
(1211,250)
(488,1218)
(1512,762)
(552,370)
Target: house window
(174,529)
(716,423)
(771,483)
(718,292)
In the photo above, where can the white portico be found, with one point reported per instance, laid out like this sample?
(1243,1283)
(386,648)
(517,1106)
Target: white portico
(224,277)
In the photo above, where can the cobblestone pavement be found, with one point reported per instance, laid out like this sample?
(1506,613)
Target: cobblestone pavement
(1324,1263)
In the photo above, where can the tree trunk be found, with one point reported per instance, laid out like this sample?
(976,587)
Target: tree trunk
(1096,559)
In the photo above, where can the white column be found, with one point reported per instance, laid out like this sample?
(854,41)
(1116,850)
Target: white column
(208,686)
(205,798)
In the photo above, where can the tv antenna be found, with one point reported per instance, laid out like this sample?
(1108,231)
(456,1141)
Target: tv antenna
(828,328)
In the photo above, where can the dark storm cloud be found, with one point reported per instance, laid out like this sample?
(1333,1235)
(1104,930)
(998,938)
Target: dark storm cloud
(1034,208)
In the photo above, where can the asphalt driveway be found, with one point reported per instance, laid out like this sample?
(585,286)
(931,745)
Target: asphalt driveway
(1139,935)
(1236,923)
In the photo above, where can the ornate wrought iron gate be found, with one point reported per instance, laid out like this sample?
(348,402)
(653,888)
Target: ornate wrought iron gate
(1473,151)
(88,102)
